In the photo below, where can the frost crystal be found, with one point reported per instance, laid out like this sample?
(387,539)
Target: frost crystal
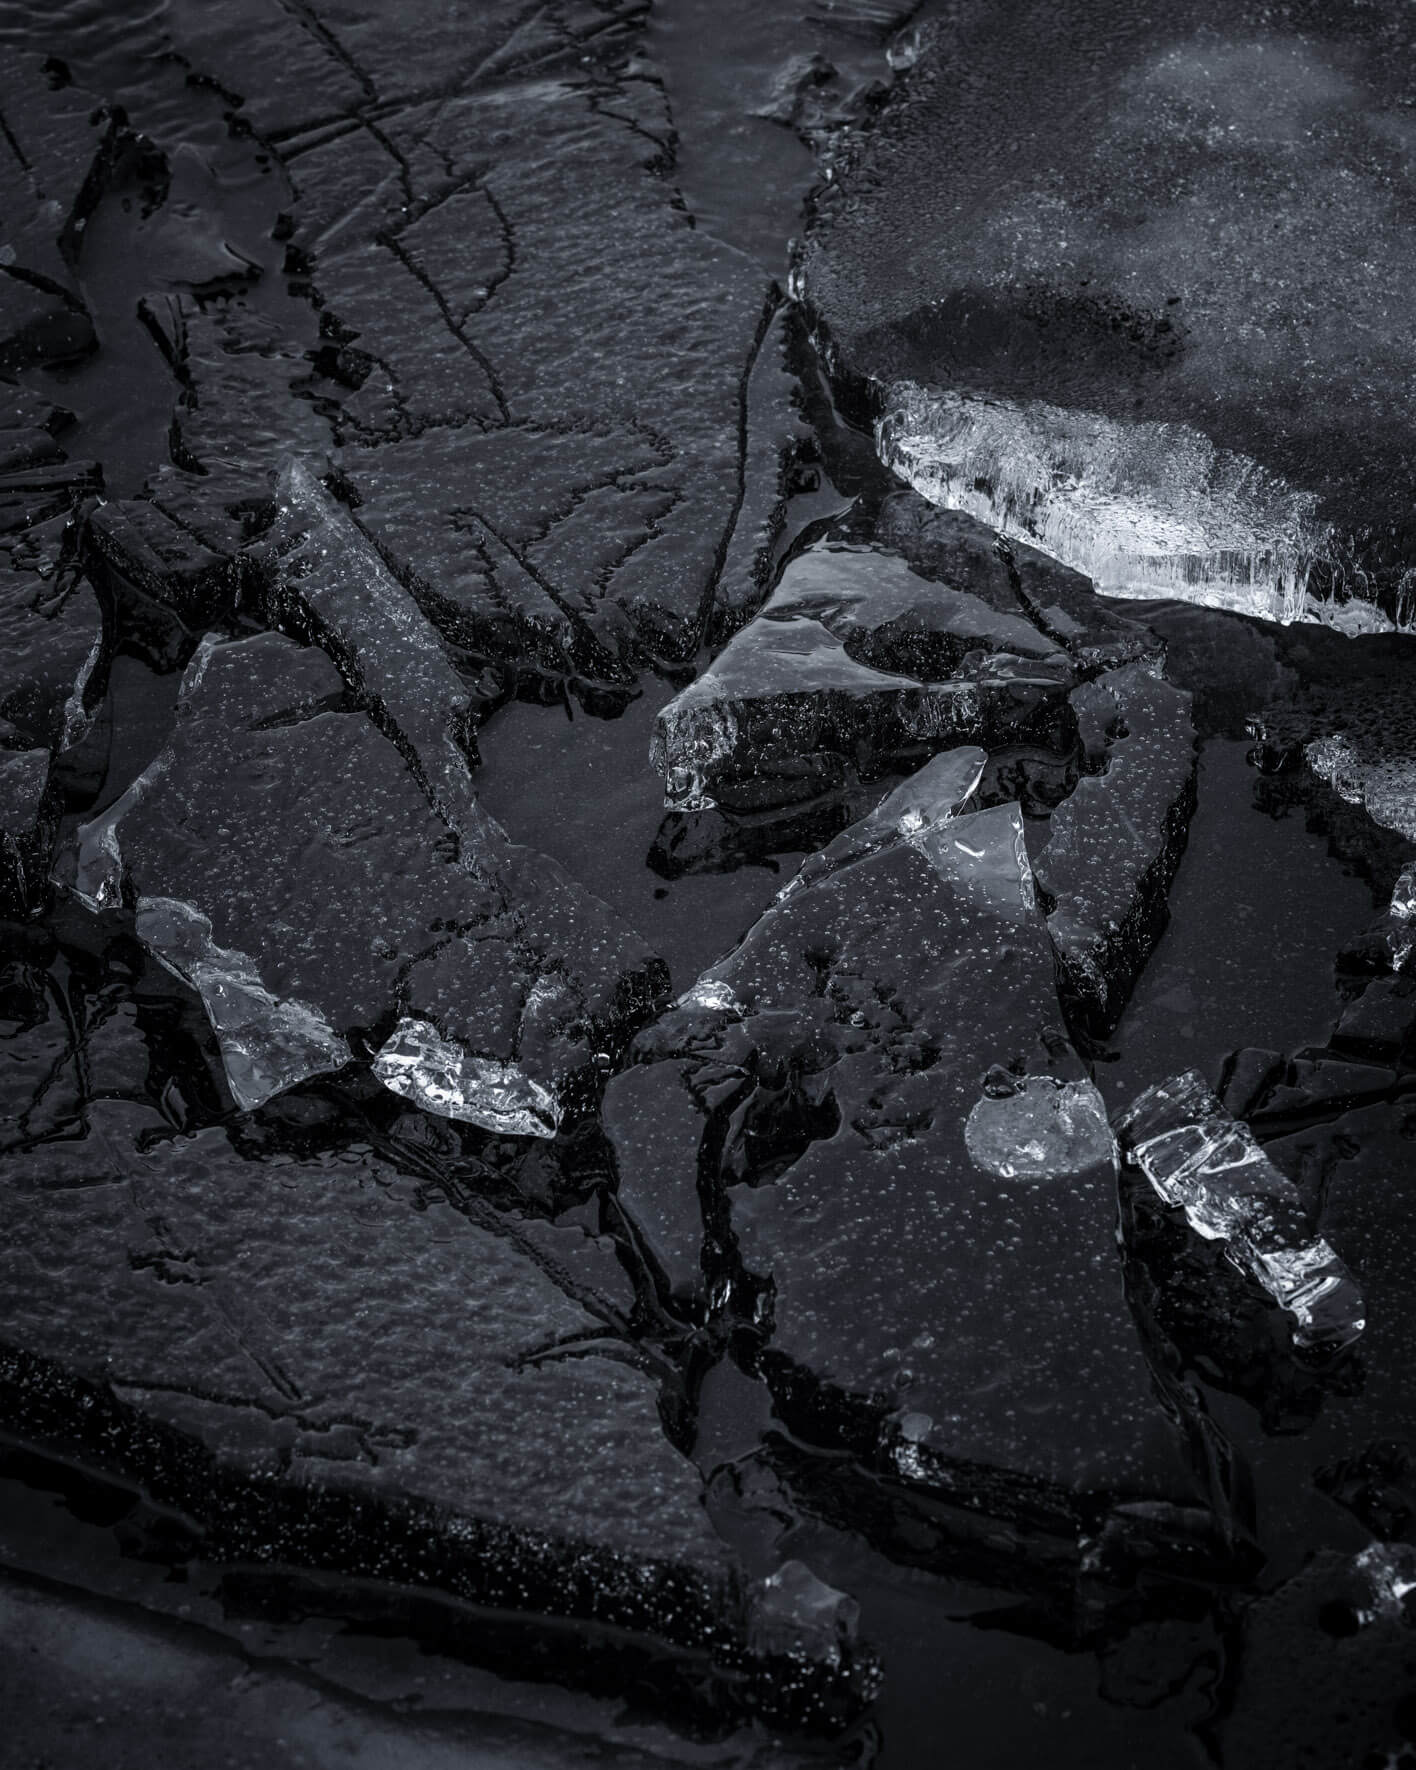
(930,797)
(420,1065)
(1208,1165)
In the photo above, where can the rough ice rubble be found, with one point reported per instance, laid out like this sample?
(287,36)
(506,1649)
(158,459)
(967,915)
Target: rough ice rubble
(1209,1165)
(1144,509)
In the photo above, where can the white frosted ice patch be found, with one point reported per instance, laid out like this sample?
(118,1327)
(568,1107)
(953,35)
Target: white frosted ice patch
(1046,1130)
(418,1064)
(267,1044)
(1144,509)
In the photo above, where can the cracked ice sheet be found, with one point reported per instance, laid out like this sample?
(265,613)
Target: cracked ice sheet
(377,1342)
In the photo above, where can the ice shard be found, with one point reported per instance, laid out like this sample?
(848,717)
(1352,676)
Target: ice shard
(854,659)
(267,1045)
(913,811)
(1209,1166)
(1144,509)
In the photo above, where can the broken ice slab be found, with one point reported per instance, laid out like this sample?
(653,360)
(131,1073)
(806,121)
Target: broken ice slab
(283,858)
(854,658)
(1112,847)
(337,592)
(1210,1166)
(345,1386)
(1144,509)
(865,1135)
(957,549)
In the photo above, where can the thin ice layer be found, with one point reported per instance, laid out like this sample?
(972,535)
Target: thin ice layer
(1144,509)
(1209,1165)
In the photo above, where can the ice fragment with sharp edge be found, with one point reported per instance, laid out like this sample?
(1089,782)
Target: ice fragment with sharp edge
(1209,1166)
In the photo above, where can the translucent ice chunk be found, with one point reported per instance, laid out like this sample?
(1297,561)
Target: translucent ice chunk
(1143,509)
(1401,918)
(1208,1165)
(930,796)
(986,849)
(1044,1130)
(267,1044)
(419,1064)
